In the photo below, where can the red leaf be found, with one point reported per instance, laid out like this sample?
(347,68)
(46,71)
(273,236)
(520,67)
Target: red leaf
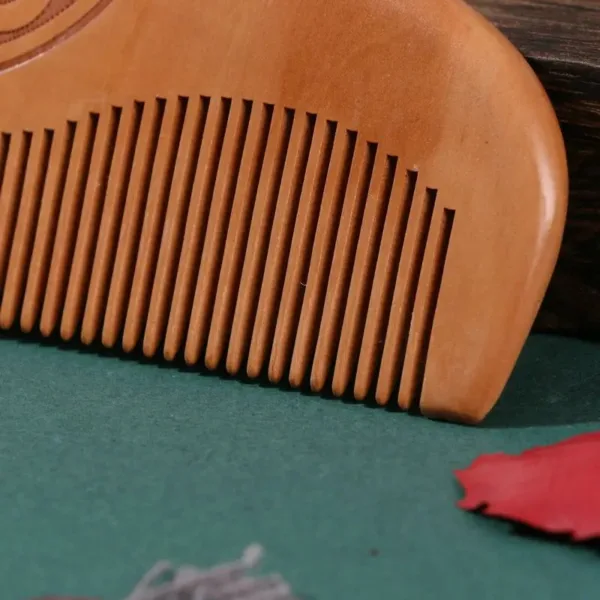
(555,488)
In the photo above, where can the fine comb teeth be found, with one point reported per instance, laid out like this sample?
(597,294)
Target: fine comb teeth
(367,197)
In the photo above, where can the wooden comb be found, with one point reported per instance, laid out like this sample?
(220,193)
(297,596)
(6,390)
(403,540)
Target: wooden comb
(367,196)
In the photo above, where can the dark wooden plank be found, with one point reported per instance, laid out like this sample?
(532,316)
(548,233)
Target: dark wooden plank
(564,31)
(561,41)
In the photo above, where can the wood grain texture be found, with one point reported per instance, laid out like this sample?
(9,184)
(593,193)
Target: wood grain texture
(426,206)
(561,41)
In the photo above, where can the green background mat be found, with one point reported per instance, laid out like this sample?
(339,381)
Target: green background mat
(108,465)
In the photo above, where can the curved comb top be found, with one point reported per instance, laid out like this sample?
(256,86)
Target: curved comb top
(362,196)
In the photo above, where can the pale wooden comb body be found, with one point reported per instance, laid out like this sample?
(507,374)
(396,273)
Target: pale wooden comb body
(366,195)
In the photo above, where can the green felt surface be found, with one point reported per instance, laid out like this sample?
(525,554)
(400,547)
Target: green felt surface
(107,465)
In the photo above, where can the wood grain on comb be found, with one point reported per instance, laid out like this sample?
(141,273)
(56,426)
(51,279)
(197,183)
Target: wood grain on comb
(230,232)
(344,197)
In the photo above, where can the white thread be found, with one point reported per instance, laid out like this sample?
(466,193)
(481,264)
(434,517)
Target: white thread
(223,582)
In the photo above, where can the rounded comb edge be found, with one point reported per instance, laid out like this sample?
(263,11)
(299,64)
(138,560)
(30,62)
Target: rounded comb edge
(366,198)
(479,336)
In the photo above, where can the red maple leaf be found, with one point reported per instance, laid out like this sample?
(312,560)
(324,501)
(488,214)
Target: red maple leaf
(555,489)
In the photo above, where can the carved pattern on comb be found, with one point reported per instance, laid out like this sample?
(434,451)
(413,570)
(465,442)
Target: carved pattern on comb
(50,10)
(20,18)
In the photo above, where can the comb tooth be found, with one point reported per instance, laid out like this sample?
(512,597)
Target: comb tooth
(429,286)
(405,292)
(237,235)
(336,184)
(174,227)
(386,272)
(129,235)
(280,240)
(20,254)
(361,173)
(362,275)
(127,141)
(300,250)
(89,224)
(5,139)
(153,219)
(230,228)
(68,222)
(218,220)
(260,230)
(196,224)
(16,158)
(48,218)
